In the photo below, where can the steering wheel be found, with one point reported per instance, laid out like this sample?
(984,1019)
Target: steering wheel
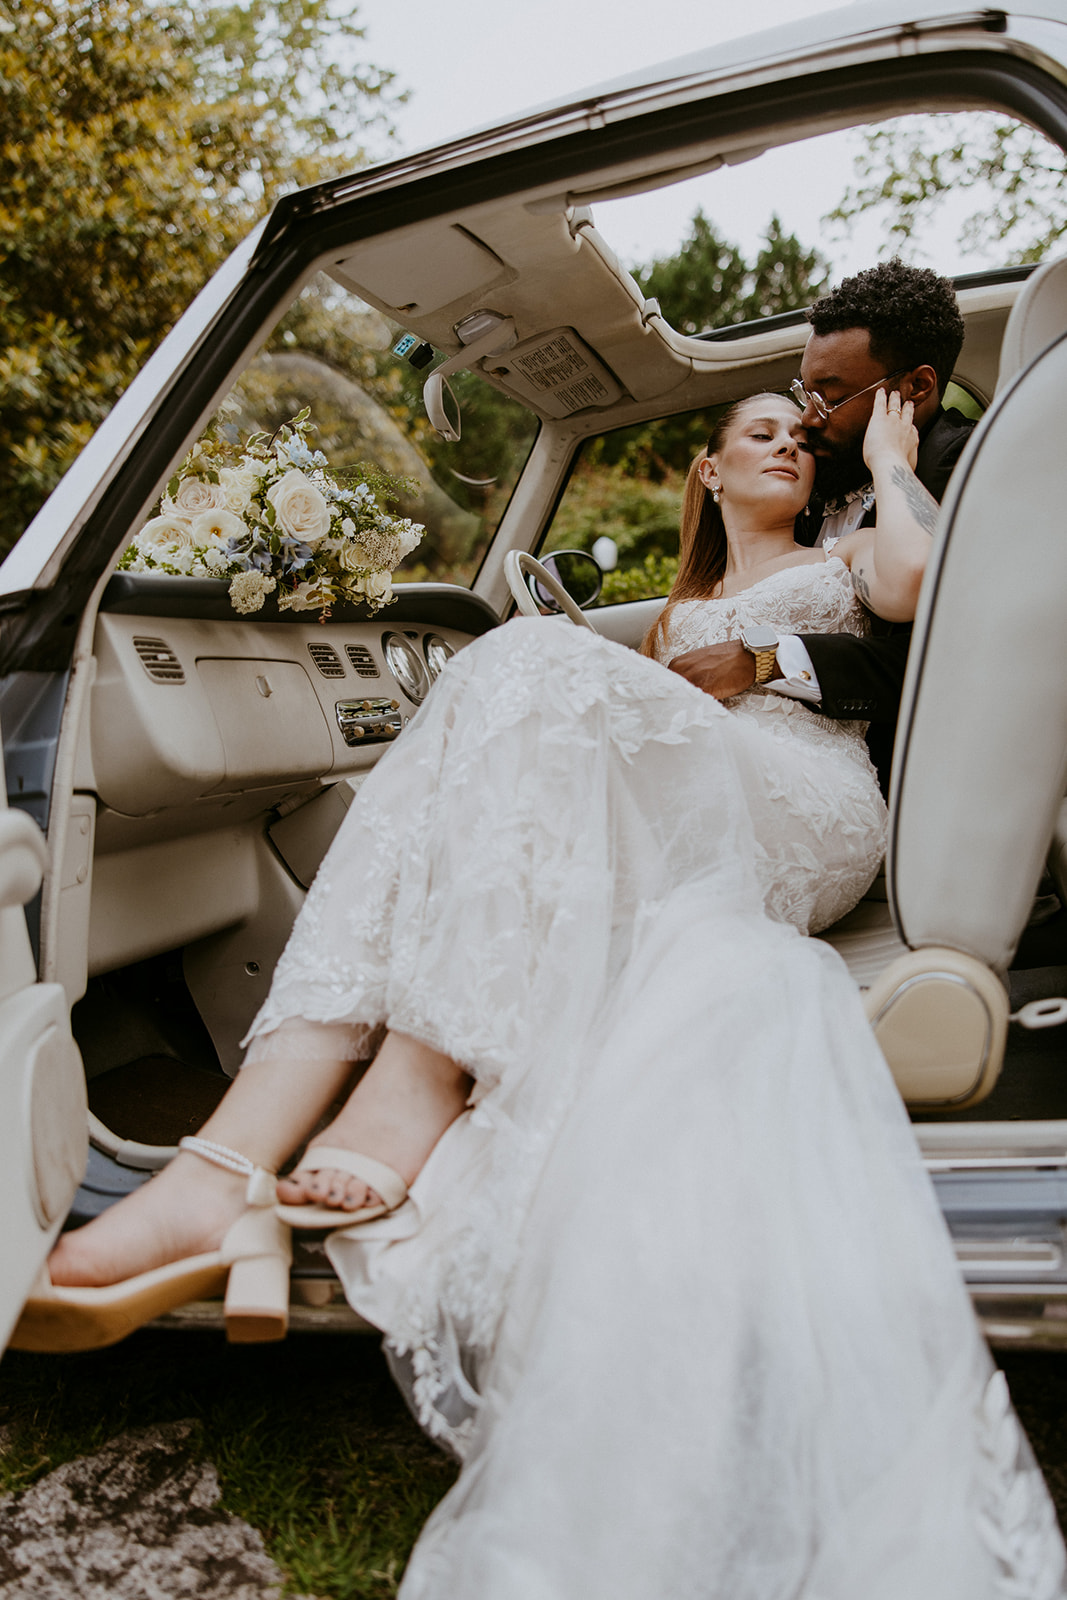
(517,563)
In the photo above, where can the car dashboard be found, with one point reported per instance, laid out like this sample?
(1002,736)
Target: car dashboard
(217,760)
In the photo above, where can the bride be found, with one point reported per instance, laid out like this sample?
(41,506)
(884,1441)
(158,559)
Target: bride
(627,1184)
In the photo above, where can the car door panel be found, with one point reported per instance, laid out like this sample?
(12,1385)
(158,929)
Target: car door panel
(43,1128)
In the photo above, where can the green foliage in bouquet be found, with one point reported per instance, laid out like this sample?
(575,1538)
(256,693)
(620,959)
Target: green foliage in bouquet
(275,516)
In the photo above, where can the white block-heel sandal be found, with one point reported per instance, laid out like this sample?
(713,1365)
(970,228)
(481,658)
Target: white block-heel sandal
(375,1174)
(252,1264)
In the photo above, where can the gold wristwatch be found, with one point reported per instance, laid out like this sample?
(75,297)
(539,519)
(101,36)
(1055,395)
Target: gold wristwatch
(762,641)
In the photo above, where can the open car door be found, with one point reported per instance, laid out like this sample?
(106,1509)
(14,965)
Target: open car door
(43,1114)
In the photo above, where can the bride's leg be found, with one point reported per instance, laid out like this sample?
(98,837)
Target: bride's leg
(269,1109)
(397,1112)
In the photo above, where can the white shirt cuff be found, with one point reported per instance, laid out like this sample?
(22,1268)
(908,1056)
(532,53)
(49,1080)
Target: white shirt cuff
(796,673)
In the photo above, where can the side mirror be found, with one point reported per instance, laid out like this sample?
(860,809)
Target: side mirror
(576,570)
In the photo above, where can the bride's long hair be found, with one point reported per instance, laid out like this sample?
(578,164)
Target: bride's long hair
(702,546)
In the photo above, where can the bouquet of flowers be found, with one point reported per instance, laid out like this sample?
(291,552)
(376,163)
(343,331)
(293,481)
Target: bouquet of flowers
(274,516)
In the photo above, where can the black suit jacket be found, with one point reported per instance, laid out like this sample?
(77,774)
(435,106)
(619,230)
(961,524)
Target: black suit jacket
(861,679)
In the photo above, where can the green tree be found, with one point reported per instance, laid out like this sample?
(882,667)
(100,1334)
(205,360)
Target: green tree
(139,141)
(907,169)
(628,484)
(707,283)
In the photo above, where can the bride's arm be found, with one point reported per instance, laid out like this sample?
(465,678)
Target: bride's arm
(888,561)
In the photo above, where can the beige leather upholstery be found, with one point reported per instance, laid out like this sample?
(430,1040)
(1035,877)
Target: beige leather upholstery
(941,1019)
(981,753)
(982,748)
(1037,319)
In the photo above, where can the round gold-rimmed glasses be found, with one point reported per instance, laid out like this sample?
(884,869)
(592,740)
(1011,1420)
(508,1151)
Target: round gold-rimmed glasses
(811,397)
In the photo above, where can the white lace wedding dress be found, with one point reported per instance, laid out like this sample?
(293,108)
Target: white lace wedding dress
(675,1287)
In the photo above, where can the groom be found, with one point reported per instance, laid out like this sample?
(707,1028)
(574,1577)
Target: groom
(899,327)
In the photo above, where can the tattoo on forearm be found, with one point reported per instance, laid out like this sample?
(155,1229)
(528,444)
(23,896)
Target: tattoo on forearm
(861,586)
(921,503)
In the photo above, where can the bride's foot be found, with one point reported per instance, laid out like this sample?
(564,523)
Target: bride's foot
(187,1209)
(396,1114)
(183,1211)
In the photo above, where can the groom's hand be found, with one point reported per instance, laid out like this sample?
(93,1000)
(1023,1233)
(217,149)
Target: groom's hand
(721,670)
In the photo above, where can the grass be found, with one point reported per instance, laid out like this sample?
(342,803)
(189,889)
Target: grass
(313,1444)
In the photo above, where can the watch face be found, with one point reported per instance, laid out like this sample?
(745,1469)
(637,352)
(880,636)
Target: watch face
(759,637)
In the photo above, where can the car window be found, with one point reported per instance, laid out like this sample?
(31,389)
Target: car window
(623,500)
(960,192)
(333,354)
(956,396)
(626,487)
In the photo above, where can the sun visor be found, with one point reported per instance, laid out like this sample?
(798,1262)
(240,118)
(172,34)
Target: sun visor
(422,270)
(556,373)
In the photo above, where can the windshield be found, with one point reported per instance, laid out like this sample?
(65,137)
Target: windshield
(332,357)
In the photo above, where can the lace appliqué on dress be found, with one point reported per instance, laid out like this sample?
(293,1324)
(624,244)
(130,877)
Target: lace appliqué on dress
(684,1216)
(1014,1513)
(491,876)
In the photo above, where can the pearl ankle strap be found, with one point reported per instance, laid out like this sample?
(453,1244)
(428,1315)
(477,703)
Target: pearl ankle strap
(261,1183)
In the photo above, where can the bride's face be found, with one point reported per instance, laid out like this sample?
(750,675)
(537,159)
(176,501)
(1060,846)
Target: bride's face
(764,462)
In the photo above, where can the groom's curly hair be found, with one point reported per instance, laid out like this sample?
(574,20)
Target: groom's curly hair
(911,315)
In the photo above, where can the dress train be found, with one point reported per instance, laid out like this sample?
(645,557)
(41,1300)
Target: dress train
(675,1287)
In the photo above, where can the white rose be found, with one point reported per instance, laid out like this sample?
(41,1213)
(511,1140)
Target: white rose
(238,485)
(378,588)
(213,530)
(197,494)
(164,534)
(353,558)
(302,510)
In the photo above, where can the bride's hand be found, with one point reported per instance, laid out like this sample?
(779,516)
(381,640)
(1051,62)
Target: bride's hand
(891,430)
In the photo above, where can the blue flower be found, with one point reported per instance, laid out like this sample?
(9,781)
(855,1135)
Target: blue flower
(249,553)
(295,555)
(298,452)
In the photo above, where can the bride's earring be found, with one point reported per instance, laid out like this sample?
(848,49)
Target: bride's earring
(716,493)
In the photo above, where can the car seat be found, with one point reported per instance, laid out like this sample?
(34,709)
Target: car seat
(981,754)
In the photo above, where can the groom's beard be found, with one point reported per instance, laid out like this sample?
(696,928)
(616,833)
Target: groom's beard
(836,475)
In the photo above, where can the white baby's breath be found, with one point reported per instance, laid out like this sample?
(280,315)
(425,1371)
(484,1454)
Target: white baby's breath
(249,589)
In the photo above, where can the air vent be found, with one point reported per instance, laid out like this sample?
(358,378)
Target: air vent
(159,661)
(327,660)
(362,660)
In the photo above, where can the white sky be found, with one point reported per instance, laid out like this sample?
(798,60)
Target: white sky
(471,62)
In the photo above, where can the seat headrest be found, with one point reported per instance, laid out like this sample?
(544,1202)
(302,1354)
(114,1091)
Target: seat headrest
(1038,316)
